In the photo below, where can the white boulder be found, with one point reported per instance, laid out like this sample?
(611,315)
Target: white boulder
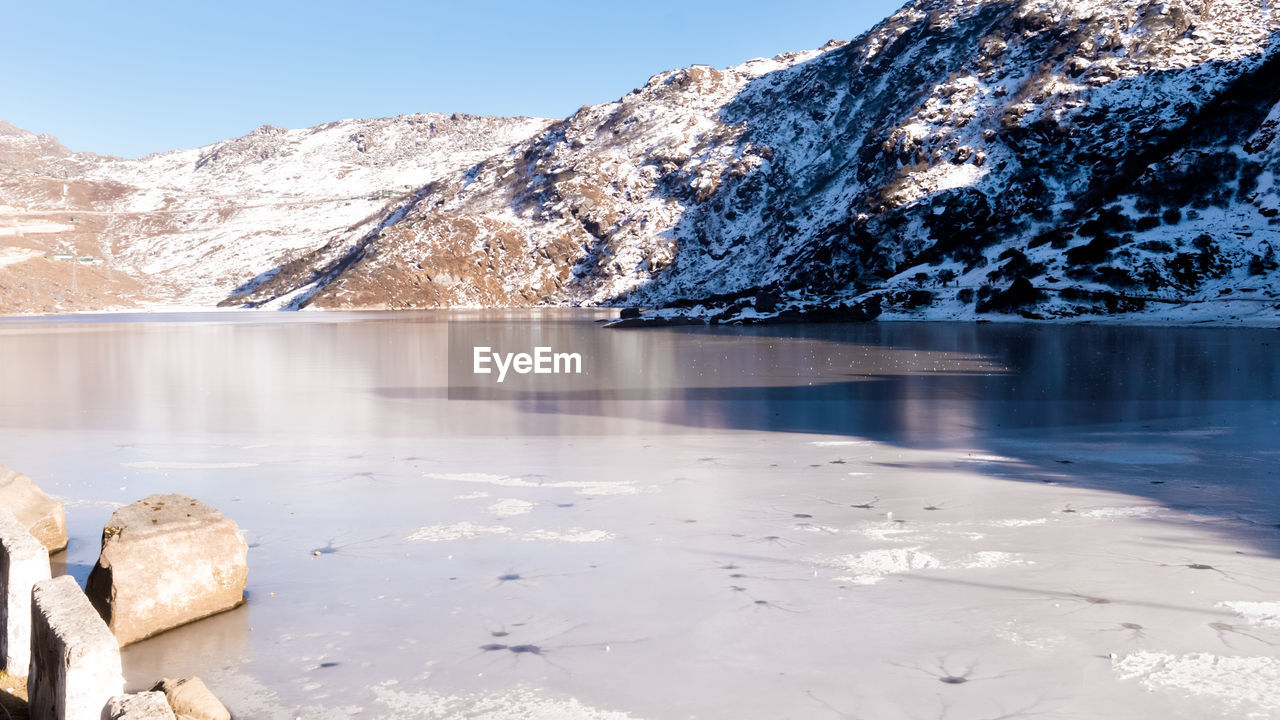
(166,561)
(192,700)
(139,706)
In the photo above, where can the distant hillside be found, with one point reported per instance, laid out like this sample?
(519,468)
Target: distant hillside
(190,226)
(963,159)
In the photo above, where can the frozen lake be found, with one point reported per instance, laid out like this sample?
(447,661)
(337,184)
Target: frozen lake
(868,521)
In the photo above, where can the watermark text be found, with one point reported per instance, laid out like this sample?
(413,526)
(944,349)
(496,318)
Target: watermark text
(542,361)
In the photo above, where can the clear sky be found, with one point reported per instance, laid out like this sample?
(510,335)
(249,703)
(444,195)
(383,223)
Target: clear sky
(129,78)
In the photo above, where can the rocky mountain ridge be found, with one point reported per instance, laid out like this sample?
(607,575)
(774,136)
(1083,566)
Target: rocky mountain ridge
(190,226)
(963,159)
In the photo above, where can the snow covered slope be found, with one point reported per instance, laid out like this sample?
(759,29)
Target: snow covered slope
(193,225)
(964,158)
(23,150)
(1050,158)
(581,213)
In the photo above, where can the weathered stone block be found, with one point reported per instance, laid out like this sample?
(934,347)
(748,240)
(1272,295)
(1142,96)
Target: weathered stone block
(166,561)
(192,700)
(75,661)
(139,706)
(24,561)
(43,516)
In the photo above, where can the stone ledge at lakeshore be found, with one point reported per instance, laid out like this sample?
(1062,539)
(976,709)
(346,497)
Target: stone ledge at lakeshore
(24,561)
(75,660)
(44,517)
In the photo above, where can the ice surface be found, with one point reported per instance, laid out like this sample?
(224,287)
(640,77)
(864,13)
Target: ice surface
(780,540)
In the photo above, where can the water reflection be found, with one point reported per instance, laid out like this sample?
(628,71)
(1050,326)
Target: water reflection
(386,375)
(221,641)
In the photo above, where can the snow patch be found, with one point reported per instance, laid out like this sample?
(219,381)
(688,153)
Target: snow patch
(994,559)
(1115,513)
(521,703)
(1043,642)
(467,530)
(1259,614)
(13,255)
(179,465)
(464,530)
(1013,522)
(987,459)
(872,566)
(886,530)
(510,507)
(1236,680)
(583,487)
(570,535)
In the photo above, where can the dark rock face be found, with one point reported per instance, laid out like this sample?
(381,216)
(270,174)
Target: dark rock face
(953,137)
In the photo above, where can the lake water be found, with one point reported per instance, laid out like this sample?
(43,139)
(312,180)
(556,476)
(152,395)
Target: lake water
(843,521)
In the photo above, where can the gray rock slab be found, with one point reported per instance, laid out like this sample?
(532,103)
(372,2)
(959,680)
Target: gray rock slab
(139,706)
(166,561)
(190,698)
(75,661)
(44,517)
(24,561)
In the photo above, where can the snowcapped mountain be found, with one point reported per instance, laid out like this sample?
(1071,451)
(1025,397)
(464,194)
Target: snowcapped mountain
(1049,158)
(964,158)
(567,216)
(190,226)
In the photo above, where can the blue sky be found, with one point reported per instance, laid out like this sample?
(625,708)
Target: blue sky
(137,77)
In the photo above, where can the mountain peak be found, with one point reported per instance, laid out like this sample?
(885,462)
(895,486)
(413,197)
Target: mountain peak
(26,151)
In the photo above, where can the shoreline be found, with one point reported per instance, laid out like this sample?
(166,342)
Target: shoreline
(670,320)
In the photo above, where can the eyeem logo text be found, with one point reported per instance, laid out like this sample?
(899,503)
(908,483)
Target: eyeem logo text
(543,361)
